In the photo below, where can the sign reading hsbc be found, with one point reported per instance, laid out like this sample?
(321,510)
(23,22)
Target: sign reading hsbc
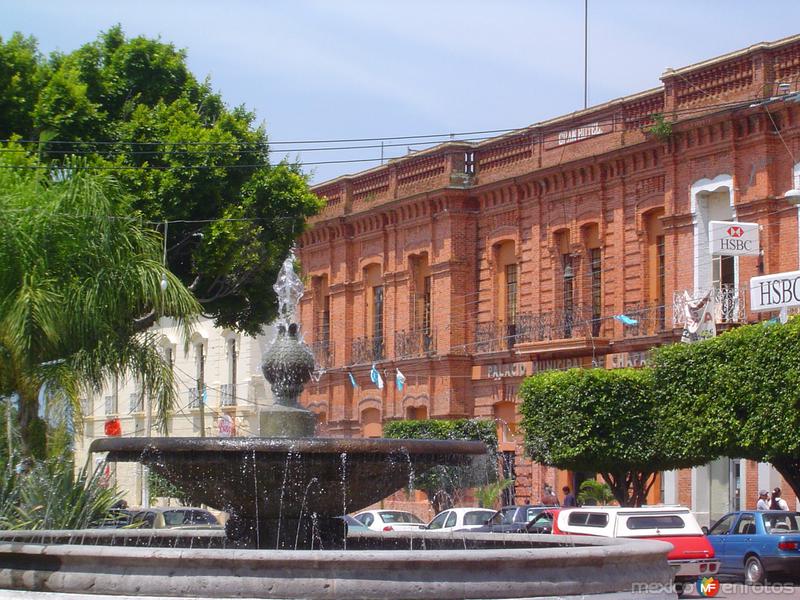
(730,238)
(773,292)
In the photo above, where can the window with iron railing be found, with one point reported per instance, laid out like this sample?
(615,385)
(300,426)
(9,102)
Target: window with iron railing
(136,402)
(595,264)
(511,303)
(661,299)
(228,394)
(377,312)
(568,290)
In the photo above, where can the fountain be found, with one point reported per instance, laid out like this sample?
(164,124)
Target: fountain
(283,539)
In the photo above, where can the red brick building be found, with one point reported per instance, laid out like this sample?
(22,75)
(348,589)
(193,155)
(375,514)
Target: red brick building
(469,266)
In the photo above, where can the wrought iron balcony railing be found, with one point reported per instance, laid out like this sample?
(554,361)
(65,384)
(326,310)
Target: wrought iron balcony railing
(650,319)
(194,397)
(228,394)
(536,327)
(136,402)
(414,343)
(367,350)
(323,351)
(728,304)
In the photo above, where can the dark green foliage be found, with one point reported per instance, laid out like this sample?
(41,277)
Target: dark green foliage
(51,495)
(444,484)
(736,395)
(661,129)
(192,158)
(596,420)
(160,487)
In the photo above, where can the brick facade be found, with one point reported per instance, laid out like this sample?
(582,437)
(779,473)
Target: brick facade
(524,248)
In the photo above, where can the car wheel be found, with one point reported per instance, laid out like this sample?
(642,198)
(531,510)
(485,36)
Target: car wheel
(754,571)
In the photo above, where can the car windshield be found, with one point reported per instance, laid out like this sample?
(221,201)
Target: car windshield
(477,517)
(507,515)
(656,522)
(392,516)
(173,518)
(781,522)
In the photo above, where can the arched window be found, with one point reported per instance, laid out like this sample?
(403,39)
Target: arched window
(655,271)
(591,241)
(371,426)
(374,297)
(507,289)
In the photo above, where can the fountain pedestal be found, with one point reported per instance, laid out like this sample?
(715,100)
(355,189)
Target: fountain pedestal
(286,422)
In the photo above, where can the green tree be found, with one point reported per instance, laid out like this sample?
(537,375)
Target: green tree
(21,74)
(444,484)
(134,106)
(593,492)
(77,269)
(606,421)
(736,395)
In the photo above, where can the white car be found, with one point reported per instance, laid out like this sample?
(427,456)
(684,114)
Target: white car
(460,518)
(390,520)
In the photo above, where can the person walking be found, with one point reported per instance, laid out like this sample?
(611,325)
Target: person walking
(569,498)
(763,500)
(777,502)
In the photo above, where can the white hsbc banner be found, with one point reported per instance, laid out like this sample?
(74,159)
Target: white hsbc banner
(773,292)
(731,238)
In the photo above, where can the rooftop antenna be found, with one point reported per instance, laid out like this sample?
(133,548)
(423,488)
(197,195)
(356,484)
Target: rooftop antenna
(585,54)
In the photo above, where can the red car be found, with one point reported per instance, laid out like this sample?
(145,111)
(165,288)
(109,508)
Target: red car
(692,555)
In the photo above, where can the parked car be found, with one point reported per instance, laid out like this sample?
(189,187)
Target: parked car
(517,519)
(460,518)
(117,517)
(389,520)
(184,517)
(353,526)
(756,544)
(692,555)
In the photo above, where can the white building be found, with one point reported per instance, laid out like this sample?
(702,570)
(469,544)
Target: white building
(227,365)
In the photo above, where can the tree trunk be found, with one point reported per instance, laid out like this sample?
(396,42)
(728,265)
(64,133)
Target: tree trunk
(32,429)
(789,468)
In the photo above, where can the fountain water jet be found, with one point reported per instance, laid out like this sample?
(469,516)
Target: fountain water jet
(208,470)
(275,505)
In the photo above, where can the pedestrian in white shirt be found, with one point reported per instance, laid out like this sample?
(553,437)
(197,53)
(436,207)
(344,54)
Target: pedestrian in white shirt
(778,503)
(763,500)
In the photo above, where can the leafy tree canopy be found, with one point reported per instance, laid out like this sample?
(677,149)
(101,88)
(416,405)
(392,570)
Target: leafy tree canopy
(736,395)
(77,268)
(598,420)
(131,106)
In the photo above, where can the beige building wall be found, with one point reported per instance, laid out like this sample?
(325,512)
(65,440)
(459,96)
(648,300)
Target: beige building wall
(234,384)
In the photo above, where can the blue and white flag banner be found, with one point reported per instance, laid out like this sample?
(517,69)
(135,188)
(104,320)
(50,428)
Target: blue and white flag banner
(375,377)
(400,380)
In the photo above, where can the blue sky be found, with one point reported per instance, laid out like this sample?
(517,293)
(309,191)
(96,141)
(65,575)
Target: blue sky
(372,69)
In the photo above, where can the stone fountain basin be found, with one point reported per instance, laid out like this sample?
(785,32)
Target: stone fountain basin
(271,478)
(448,566)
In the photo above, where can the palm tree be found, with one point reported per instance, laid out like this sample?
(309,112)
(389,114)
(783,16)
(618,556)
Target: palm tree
(78,272)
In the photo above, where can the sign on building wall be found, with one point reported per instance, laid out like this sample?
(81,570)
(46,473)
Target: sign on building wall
(729,238)
(773,292)
(524,369)
(622,360)
(578,133)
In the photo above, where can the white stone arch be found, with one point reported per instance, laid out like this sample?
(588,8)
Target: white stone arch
(701,189)
(796,186)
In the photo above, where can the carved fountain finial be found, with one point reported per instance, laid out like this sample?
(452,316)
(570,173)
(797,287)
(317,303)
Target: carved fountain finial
(288,363)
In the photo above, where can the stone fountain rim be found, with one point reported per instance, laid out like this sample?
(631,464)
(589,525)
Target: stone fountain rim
(283,445)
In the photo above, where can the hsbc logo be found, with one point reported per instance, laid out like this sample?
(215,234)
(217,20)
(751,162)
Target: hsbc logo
(728,238)
(735,231)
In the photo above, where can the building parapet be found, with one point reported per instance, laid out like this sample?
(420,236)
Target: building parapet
(713,85)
